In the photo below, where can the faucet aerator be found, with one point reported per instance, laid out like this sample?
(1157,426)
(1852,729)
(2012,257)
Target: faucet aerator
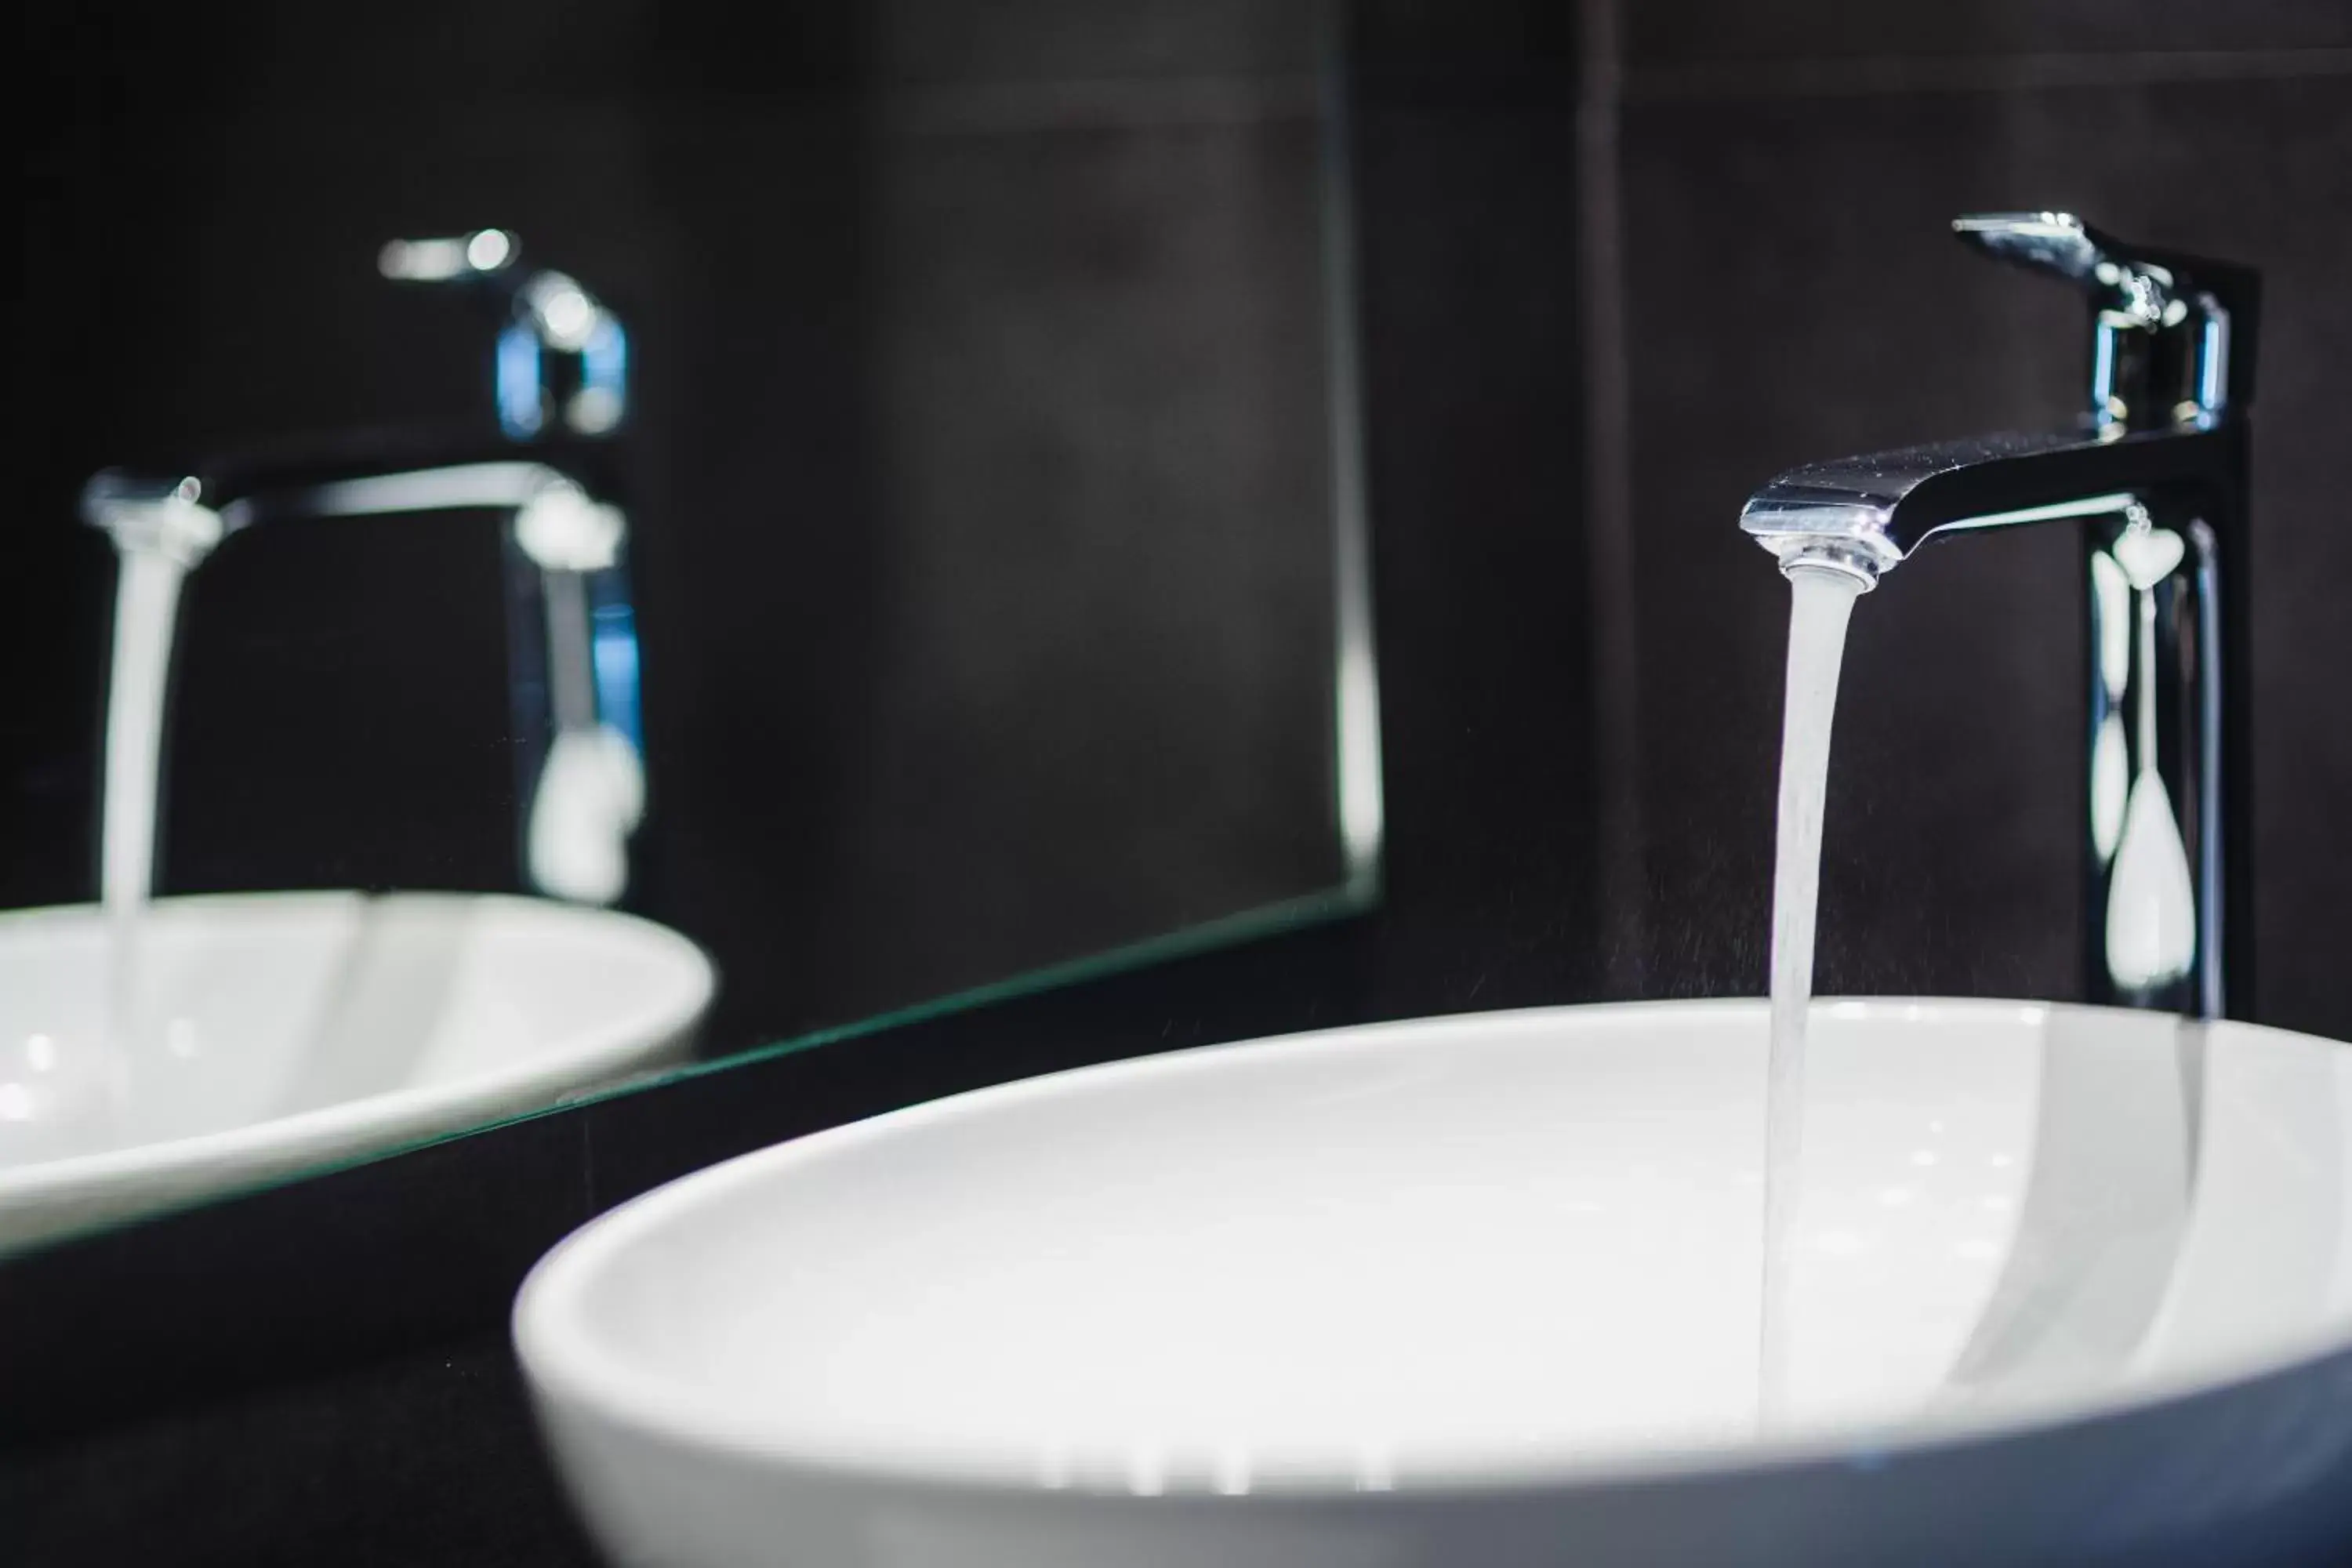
(1836,558)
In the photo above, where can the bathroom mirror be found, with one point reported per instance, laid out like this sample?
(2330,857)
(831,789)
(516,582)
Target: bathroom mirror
(923,558)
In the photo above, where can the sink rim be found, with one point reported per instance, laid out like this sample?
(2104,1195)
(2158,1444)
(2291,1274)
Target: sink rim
(349,1129)
(567,1368)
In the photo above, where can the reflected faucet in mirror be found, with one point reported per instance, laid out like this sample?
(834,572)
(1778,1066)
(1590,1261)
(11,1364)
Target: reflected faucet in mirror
(197,1045)
(559,370)
(2156,477)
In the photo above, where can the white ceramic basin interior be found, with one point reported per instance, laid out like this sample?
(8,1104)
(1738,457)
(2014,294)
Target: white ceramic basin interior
(2067,1283)
(268,1033)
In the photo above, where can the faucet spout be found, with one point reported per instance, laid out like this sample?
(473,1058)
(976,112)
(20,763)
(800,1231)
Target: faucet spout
(1865,514)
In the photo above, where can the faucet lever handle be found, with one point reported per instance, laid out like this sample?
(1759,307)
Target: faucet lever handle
(2064,244)
(454,257)
(2173,335)
(545,312)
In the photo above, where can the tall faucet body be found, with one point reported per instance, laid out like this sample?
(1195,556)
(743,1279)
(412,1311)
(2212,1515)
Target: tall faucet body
(572,635)
(2155,479)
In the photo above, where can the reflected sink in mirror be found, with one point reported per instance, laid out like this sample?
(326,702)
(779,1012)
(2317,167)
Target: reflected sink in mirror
(2067,1284)
(272,1033)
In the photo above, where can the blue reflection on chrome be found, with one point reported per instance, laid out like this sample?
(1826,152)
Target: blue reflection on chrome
(614,649)
(605,364)
(518,383)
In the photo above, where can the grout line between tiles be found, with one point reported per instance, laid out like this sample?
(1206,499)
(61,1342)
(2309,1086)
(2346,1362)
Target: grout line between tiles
(1608,510)
(1716,80)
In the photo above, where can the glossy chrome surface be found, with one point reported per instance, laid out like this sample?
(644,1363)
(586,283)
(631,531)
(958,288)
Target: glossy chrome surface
(2172,335)
(2156,477)
(2069,1285)
(572,645)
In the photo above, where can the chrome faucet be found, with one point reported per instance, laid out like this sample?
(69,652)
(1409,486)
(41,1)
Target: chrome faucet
(2156,477)
(571,632)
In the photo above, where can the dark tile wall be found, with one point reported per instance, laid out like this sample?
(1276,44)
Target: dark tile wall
(1094,695)
(1131,42)
(1793,293)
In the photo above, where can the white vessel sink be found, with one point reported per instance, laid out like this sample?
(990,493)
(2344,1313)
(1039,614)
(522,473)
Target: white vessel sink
(269,1033)
(2068,1285)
